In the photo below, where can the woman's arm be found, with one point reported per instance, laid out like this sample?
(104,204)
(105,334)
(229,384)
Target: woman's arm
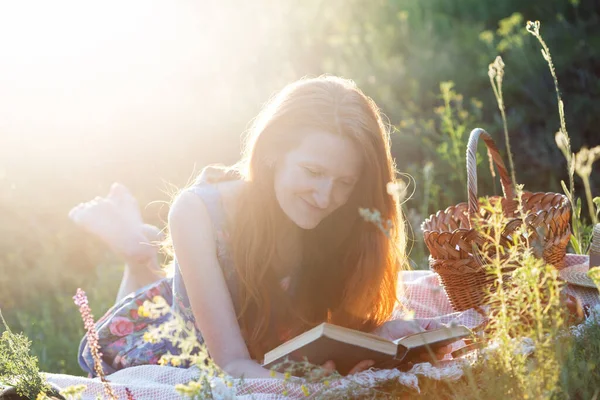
(195,246)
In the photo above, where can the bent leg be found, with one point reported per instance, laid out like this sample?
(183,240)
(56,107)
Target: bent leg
(116,219)
(140,272)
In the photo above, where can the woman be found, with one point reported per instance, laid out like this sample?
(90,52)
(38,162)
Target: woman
(275,245)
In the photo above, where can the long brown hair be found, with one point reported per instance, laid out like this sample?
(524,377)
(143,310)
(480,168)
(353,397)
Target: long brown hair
(349,267)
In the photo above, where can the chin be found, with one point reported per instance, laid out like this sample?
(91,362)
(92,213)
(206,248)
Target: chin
(305,224)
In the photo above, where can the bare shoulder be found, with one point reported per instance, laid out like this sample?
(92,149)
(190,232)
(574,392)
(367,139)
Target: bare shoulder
(230,192)
(189,214)
(186,203)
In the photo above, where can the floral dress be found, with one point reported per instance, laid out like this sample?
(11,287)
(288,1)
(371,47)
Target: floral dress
(121,329)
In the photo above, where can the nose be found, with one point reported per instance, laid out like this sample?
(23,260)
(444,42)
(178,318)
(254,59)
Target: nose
(322,195)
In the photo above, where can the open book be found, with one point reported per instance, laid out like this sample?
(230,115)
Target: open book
(347,347)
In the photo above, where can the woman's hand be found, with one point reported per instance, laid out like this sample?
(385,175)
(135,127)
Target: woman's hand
(396,329)
(329,367)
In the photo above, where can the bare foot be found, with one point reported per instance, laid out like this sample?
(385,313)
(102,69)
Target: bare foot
(117,220)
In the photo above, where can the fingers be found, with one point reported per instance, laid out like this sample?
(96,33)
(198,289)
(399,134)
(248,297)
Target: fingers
(430,324)
(329,367)
(442,351)
(361,366)
(399,328)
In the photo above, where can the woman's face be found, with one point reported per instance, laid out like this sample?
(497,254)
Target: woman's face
(317,177)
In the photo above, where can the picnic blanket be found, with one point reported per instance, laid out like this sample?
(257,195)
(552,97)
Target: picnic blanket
(422,293)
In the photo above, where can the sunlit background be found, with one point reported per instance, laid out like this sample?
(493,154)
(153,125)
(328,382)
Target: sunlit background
(148,92)
(112,90)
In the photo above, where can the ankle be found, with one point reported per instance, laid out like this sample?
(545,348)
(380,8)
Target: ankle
(144,270)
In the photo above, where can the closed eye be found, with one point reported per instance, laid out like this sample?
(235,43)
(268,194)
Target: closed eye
(313,172)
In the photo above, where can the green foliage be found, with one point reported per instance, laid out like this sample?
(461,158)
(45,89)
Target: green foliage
(580,367)
(18,368)
(212,380)
(74,392)
(455,124)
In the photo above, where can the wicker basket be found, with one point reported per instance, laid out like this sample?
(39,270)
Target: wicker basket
(453,242)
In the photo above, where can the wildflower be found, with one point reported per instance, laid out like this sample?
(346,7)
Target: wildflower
(370,216)
(584,160)
(487,37)
(562,142)
(533,27)
(305,390)
(74,391)
(397,190)
(287,376)
(142,311)
(583,166)
(81,301)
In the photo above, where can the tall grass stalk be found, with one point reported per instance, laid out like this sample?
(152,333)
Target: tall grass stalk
(584,160)
(496,74)
(580,163)
(534,29)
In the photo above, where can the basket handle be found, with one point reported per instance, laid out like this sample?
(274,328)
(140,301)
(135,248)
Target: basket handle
(494,155)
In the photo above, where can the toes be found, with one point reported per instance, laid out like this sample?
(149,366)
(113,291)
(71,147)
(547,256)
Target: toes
(99,207)
(116,189)
(75,212)
(119,192)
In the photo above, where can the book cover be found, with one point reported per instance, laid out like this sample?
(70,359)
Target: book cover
(347,347)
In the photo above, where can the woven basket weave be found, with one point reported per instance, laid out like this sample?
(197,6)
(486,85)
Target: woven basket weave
(454,244)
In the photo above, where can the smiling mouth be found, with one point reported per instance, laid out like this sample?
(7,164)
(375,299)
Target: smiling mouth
(310,206)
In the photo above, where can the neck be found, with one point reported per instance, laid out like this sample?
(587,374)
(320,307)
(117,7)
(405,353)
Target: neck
(288,246)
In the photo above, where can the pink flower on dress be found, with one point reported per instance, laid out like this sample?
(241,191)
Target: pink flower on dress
(134,313)
(153,292)
(118,344)
(121,326)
